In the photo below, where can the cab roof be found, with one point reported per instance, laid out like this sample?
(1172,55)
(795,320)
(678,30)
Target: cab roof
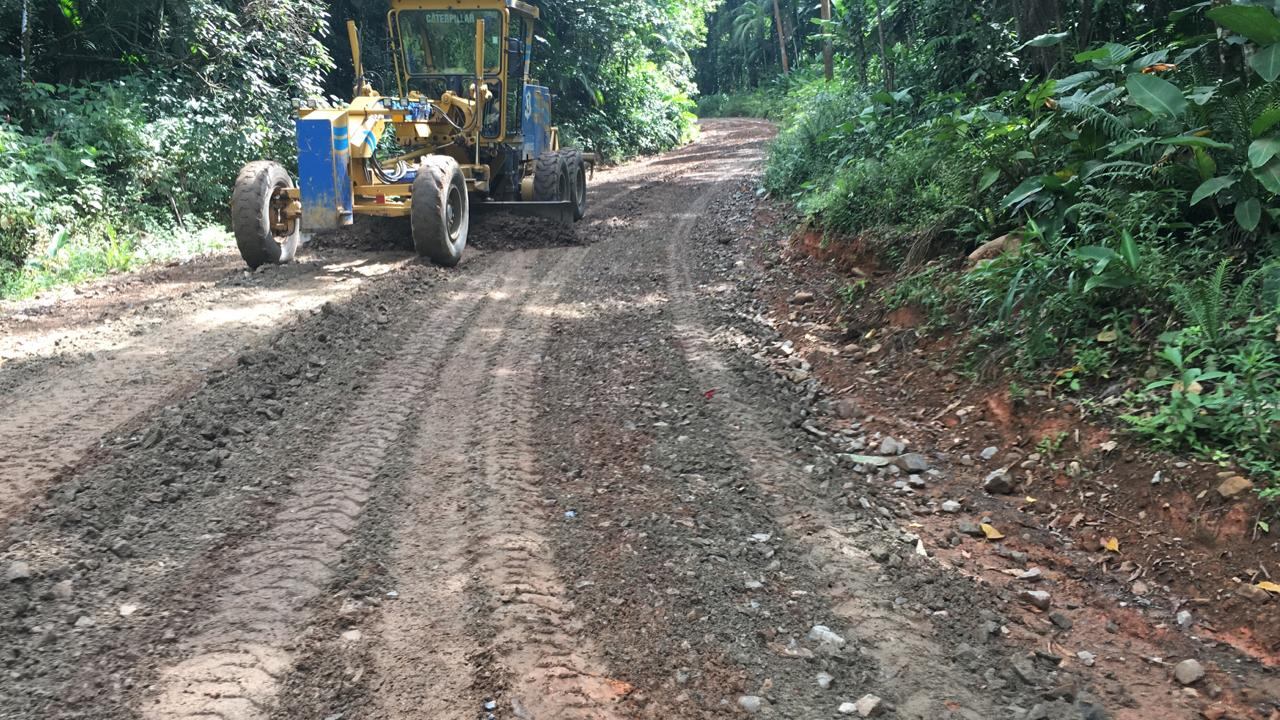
(523,8)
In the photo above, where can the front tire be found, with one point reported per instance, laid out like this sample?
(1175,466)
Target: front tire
(264,231)
(551,178)
(577,170)
(441,211)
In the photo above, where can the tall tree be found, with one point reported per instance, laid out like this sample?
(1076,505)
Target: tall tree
(885,60)
(828,54)
(782,39)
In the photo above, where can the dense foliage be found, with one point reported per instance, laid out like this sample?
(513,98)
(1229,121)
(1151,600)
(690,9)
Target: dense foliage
(123,124)
(1129,154)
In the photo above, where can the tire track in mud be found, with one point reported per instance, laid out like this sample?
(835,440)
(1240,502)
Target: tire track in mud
(475,508)
(236,661)
(912,663)
(55,415)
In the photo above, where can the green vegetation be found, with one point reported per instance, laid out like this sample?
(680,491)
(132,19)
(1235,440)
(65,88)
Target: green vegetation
(123,124)
(1130,153)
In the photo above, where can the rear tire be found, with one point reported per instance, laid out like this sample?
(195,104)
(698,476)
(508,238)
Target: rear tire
(263,232)
(577,170)
(551,178)
(441,211)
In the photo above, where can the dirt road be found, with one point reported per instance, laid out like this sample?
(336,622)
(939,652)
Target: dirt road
(557,482)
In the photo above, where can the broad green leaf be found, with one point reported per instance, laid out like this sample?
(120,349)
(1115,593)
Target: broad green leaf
(1266,62)
(1071,82)
(1261,151)
(1206,166)
(1156,95)
(1097,253)
(1196,141)
(1129,146)
(1026,189)
(1202,94)
(1155,58)
(1046,40)
(1265,121)
(1211,187)
(1108,57)
(1256,23)
(1249,213)
(989,178)
(1024,155)
(1129,251)
(1183,12)
(1108,281)
(1269,176)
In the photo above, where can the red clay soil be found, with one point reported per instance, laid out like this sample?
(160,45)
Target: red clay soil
(1180,548)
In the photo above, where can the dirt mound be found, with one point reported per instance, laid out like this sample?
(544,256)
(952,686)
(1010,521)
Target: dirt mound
(504,231)
(368,233)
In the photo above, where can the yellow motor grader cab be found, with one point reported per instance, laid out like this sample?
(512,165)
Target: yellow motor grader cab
(466,129)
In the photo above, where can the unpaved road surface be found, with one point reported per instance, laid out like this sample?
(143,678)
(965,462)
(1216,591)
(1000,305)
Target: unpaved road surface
(557,482)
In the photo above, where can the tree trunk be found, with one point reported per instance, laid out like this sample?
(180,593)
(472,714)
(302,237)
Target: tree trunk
(782,39)
(24,50)
(1035,18)
(862,51)
(828,55)
(885,62)
(1084,26)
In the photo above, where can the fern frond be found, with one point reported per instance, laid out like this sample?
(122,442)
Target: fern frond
(1110,125)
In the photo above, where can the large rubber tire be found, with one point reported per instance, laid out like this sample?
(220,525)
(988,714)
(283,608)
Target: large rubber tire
(551,178)
(255,205)
(441,211)
(577,170)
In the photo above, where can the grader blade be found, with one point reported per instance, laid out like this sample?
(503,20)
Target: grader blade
(561,212)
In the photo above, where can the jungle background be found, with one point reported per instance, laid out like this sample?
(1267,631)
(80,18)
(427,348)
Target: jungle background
(1082,192)
(1115,165)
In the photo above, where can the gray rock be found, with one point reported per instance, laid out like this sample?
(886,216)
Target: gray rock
(970,529)
(869,706)
(1025,670)
(989,453)
(914,463)
(950,506)
(1036,598)
(847,409)
(847,708)
(1087,658)
(63,590)
(999,482)
(750,703)
(966,652)
(1184,618)
(1033,575)
(825,680)
(892,446)
(826,636)
(871,460)
(1062,622)
(1188,672)
(802,298)
(18,572)
(122,548)
(1039,712)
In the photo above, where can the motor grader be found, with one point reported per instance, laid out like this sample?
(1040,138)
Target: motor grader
(467,129)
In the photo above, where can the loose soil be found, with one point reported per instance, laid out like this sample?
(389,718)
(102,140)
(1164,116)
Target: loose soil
(582,475)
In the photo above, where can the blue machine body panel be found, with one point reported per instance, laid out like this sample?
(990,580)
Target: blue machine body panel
(536,124)
(324,157)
